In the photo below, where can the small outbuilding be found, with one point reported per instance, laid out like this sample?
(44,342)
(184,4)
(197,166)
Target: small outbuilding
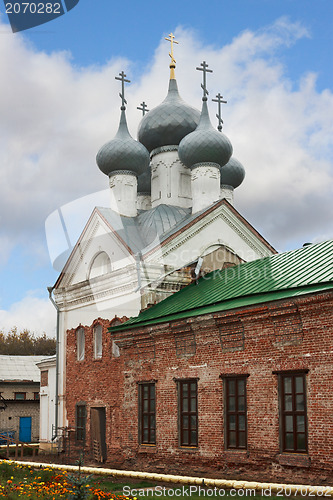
(19,391)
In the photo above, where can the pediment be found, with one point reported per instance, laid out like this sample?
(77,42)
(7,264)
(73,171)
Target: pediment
(99,251)
(218,226)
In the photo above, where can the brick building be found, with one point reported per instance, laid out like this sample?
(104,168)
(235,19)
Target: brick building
(232,374)
(19,390)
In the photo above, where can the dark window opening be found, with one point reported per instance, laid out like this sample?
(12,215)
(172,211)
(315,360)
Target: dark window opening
(293,413)
(81,416)
(188,412)
(147,413)
(20,395)
(236,412)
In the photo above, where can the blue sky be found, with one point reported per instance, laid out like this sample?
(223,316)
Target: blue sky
(97,30)
(59,103)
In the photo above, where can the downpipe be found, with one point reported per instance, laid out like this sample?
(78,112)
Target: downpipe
(50,290)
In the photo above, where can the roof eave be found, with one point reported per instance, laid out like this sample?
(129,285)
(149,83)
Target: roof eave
(230,304)
(85,229)
(204,214)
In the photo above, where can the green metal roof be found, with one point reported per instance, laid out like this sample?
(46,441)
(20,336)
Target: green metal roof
(297,272)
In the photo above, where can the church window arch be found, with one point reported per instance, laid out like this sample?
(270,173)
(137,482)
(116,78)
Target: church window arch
(100,265)
(80,343)
(98,341)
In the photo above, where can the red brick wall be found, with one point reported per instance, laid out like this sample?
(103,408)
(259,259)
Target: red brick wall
(280,336)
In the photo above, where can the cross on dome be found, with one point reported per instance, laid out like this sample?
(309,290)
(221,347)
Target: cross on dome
(173,60)
(143,108)
(205,70)
(122,78)
(172,41)
(219,100)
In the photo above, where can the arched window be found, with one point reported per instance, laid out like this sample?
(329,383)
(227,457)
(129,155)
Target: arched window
(80,344)
(100,265)
(98,341)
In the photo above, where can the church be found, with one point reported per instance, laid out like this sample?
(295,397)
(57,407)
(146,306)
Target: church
(179,385)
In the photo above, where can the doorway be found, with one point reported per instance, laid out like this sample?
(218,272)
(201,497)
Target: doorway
(25,429)
(98,433)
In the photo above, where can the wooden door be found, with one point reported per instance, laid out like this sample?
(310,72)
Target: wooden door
(97,431)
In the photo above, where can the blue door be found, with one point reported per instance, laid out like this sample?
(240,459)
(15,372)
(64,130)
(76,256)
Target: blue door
(25,429)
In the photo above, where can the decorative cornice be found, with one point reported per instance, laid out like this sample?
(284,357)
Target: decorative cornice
(205,164)
(115,283)
(189,235)
(122,172)
(95,297)
(163,149)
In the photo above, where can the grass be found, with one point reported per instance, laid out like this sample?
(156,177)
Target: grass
(30,483)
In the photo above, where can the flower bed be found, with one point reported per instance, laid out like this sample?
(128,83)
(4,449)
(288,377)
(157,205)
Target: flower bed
(25,482)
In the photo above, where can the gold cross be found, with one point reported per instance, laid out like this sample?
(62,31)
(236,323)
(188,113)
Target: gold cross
(172,41)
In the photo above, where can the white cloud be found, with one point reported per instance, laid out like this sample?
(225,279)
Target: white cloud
(31,313)
(54,117)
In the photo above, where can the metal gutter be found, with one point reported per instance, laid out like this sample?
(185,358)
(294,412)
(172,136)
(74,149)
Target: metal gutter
(280,489)
(50,290)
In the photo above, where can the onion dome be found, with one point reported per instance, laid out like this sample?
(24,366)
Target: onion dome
(205,144)
(168,123)
(144,182)
(123,152)
(233,173)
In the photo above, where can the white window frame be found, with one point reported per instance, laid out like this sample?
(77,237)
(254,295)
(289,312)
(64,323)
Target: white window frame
(98,341)
(80,343)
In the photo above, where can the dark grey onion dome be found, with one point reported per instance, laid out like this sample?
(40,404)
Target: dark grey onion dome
(205,144)
(144,182)
(233,173)
(169,122)
(123,152)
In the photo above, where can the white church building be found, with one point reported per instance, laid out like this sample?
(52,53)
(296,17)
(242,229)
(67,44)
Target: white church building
(170,219)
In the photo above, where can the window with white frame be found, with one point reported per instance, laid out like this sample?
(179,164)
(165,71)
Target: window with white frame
(98,341)
(80,344)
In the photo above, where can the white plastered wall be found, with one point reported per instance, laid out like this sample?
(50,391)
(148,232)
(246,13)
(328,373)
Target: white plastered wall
(170,180)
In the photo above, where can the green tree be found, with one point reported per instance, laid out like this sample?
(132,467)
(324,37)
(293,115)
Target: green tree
(25,343)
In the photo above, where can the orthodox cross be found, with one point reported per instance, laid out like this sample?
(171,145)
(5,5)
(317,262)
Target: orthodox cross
(205,71)
(219,113)
(122,78)
(172,41)
(143,108)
